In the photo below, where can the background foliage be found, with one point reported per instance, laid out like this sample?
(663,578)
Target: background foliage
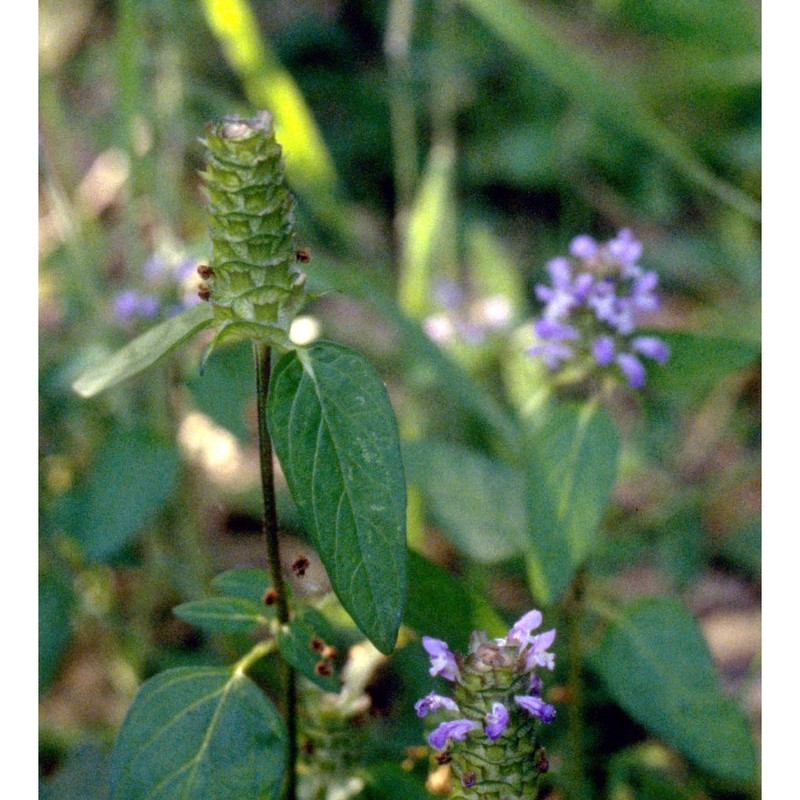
(428,143)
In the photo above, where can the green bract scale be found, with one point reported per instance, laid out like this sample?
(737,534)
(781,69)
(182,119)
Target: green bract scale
(507,767)
(252,280)
(493,743)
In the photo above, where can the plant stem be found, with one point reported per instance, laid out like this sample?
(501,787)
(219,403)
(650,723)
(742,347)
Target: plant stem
(263,359)
(574,611)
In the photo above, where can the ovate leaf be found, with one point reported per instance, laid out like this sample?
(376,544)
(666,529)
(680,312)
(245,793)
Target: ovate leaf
(197,733)
(478,501)
(388,781)
(441,606)
(134,475)
(654,662)
(336,437)
(224,614)
(248,583)
(296,642)
(144,350)
(572,468)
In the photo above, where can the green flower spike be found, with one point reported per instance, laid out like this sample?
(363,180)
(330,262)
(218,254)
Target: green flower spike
(253,286)
(493,745)
(252,282)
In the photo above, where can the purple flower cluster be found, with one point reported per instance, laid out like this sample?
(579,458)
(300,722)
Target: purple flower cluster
(165,280)
(521,651)
(593,306)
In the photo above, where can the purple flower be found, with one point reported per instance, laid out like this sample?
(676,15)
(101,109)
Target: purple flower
(433,702)
(536,685)
(456,730)
(632,369)
(131,303)
(652,347)
(520,632)
(624,248)
(603,350)
(496,721)
(556,331)
(583,246)
(537,655)
(536,707)
(552,353)
(443,662)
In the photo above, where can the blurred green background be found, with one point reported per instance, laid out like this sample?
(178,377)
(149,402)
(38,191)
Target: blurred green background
(441,153)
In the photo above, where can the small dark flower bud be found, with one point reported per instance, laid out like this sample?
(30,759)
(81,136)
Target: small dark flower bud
(324,669)
(270,597)
(203,292)
(468,778)
(205,272)
(542,761)
(443,758)
(317,644)
(303,255)
(300,566)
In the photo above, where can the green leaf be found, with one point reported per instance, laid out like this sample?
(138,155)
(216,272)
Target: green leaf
(655,663)
(441,606)
(479,502)
(572,467)
(128,485)
(224,614)
(294,642)
(336,437)
(144,350)
(596,90)
(697,362)
(56,601)
(197,733)
(225,388)
(389,782)
(248,583)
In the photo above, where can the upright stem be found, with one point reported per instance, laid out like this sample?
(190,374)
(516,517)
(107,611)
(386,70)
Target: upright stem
(263,359)
(574,610)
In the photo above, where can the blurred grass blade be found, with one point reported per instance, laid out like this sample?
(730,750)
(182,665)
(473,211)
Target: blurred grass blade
(598,92)
(268,85)
(144,350)
(429,239)
(492,271)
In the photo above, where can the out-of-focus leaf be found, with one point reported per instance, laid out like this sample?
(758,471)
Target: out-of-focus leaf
(295,643)
(56,601)
(697,362)
(225,387)
(655,663)
(724,26)
(84,775)
(428,243)
(336,437)
(133,476)
(451,376)
(224,614)
(196,733)
(439,605)
(144,350)
(479,502)
(248,583)
(572,467)
(389,782)
(492,271)
(268,85)
(596,91)
(742,548)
